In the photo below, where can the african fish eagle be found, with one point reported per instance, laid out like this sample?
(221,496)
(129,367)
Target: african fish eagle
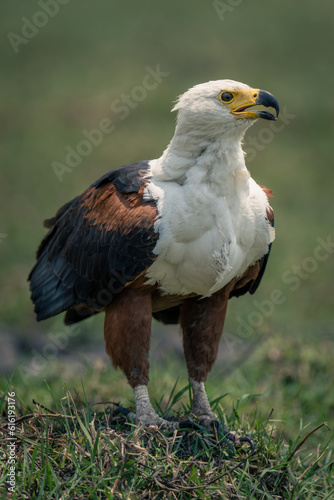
(173,238)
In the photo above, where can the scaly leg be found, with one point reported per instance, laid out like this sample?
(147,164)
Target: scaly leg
(128,343)
(145,414)
(201,406)
(202,322)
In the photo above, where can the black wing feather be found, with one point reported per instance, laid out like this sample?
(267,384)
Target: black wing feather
(88,256)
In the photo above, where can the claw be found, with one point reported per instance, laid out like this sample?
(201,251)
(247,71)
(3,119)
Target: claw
(216,425)
(188,424)
(237,441)
(118,417)
(229,435)
(121,410)
(247,439)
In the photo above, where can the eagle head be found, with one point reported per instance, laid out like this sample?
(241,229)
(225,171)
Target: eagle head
(224,105)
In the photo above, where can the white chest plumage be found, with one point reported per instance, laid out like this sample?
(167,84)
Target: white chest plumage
(211,229)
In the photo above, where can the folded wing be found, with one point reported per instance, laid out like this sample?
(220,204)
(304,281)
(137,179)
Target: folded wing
(96,245)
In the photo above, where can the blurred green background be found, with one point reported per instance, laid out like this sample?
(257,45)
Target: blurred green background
(62,77)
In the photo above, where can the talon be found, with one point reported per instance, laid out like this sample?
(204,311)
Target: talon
(247,439)
(216,425)
(115,418)
(152,420)
(188,424)
(229,435)
(120,410)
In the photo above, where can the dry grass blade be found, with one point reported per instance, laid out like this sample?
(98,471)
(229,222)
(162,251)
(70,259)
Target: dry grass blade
(299,445)
(124,459)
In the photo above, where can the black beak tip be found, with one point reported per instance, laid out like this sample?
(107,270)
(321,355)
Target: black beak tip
(269,101)
(266,115)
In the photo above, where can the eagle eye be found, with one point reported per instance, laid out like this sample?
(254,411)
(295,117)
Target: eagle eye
(226,96)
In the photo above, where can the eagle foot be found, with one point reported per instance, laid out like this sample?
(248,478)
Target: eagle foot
(169,424)
(214,425)
(237,441)
(152,419)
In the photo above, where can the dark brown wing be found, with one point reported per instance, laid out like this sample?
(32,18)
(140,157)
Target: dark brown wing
(96,245)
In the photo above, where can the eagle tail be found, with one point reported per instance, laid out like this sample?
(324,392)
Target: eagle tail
(49,294)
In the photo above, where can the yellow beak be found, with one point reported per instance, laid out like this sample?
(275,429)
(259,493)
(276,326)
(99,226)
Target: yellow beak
(255,97)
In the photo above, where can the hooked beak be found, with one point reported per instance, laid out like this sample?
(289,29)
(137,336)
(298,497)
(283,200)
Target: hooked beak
(254,98)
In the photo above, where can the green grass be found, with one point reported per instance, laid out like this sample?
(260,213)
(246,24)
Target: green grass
(82,451)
